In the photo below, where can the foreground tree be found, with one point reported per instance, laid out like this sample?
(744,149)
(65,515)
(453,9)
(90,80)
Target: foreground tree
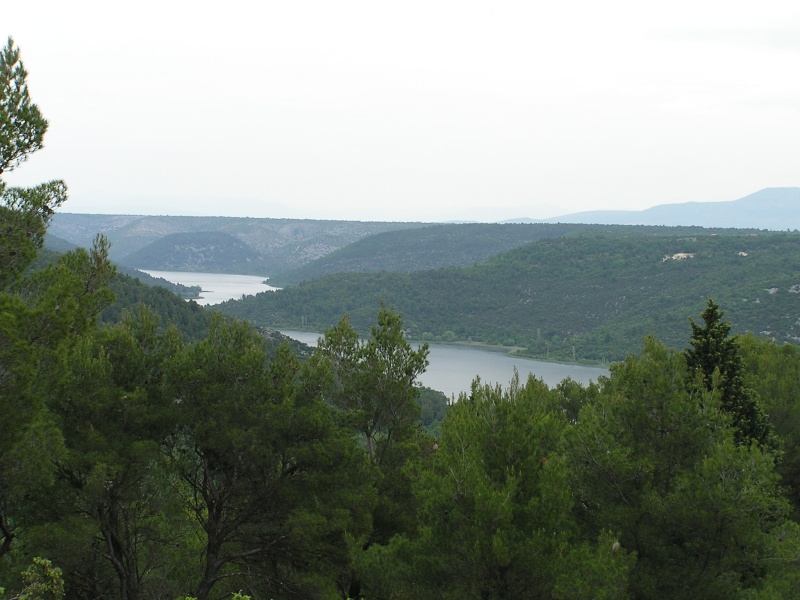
(43,314)
(773,371)
(41,580)
(22,126)
(111,517)
(494,519)
(373,383)
(273,486)
(714,356)
(655,460)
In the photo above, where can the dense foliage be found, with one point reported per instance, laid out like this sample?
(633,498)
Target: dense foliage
(138,464)
(190,318)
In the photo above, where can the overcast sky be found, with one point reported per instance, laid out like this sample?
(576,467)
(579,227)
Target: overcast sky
(412,111)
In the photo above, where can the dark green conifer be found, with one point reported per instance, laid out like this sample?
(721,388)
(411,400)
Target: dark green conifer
(714,354)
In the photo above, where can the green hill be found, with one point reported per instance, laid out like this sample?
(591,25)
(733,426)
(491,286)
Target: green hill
(452,245)
(190,318)
(424,248)
(203,251)
(588,297)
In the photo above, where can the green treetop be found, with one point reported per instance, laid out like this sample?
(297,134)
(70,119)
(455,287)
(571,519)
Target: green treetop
(22,126)
(714,356)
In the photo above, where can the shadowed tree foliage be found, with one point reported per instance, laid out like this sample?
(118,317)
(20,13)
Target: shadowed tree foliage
(112,518)
(43,313)
(773,370)
(714,355)
(273,487)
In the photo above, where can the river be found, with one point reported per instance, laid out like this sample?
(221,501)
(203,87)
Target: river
(452,368)
(217,287)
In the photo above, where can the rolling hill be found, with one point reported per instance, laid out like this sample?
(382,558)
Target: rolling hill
(587,297)
(280,244)
(203,251)
(441,246)
(424,248)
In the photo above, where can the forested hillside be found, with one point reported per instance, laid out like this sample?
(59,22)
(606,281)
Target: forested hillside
(588,297)
(203,251)
(458,245)
(424,248)
(186,292)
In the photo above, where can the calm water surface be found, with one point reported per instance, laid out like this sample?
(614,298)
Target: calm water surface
(217,287)
(452,368)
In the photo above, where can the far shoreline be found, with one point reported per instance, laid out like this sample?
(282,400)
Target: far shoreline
(511,351)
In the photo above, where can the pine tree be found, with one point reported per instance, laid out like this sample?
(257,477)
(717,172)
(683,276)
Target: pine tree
(42,313)
(715,356)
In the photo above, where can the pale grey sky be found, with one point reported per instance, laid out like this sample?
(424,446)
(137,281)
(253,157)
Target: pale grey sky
(414,110)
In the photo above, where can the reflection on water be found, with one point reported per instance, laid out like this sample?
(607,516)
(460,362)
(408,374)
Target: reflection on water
(452,368)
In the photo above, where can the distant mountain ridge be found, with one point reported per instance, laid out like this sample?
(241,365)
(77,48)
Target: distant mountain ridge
(303,249)
(268,246)
(776,209)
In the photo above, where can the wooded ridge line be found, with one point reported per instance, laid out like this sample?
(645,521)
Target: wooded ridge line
(273,247)
(587,297)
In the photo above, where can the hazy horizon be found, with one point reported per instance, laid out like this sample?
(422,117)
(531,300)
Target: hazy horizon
(429,112)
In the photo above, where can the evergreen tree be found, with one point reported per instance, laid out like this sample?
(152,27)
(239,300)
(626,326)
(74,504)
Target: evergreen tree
(273,487)
(655,460)
(494,517)
(373,385)
(714,356)
(113,520)
(22,126)
(42,314)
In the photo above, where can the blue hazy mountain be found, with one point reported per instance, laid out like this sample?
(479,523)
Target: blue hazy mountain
(770,208)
